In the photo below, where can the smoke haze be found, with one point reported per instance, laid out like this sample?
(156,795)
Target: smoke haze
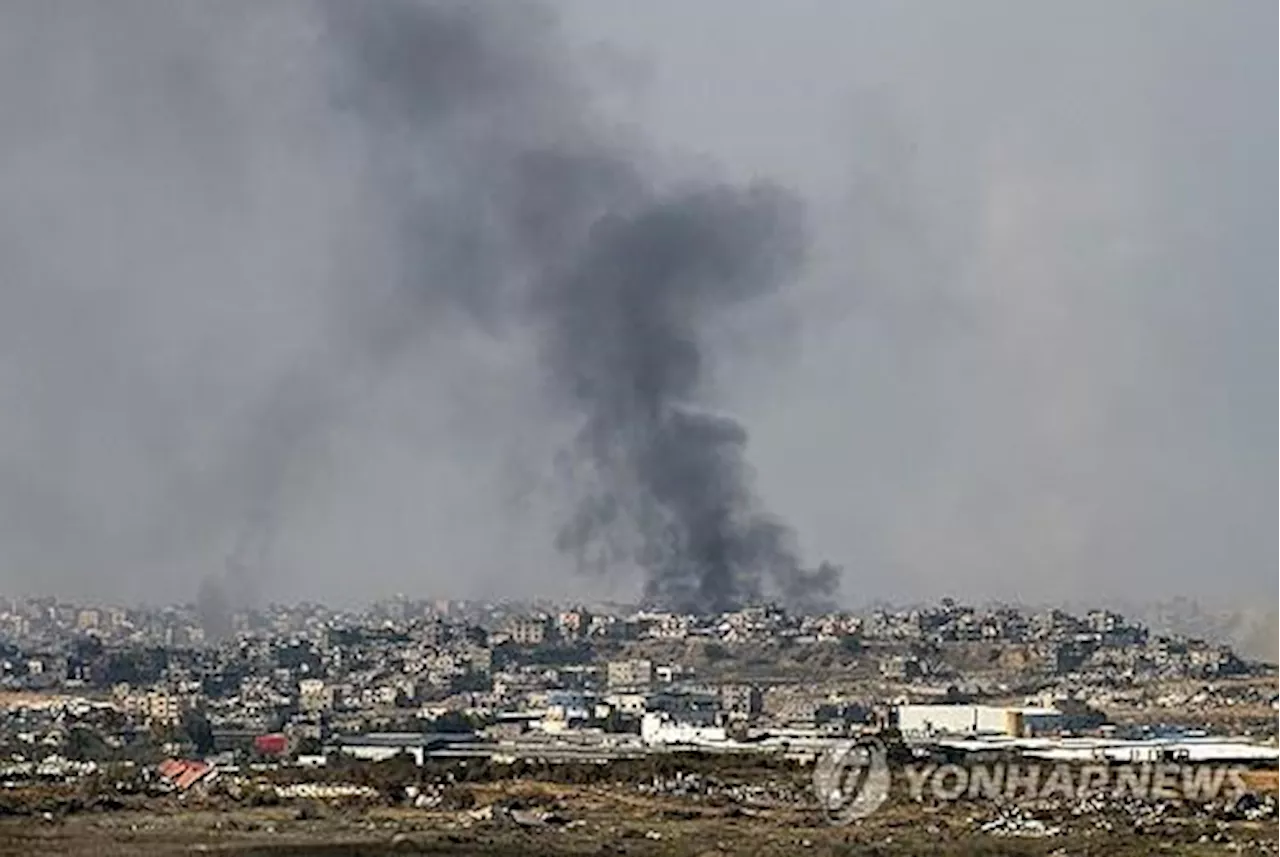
(481,194)
(1038,335)
(1019,344)
(515,207)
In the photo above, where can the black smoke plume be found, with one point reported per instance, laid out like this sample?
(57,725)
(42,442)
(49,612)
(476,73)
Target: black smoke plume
(626,342)
(483,133)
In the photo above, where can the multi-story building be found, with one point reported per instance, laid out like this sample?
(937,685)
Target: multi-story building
(741,700)
(314,695)
(574,623)
(637,672)
(528,631)
(155,707)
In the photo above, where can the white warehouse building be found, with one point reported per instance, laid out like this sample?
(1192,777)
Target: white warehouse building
(920,720)
(660,728)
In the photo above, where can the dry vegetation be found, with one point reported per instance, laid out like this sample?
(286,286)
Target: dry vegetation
(586,810)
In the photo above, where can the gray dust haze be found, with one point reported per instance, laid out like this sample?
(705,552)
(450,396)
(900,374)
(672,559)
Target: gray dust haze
(482,194)
(1038,339)
(618,276)
(334,300)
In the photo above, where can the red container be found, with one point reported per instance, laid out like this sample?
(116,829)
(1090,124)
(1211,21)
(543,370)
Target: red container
(274,744)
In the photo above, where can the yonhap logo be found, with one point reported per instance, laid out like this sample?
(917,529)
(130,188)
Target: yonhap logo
(851,779)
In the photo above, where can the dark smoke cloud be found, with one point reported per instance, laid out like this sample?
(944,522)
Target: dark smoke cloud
(417,79)
(364,192)
(620,278)
(625,340)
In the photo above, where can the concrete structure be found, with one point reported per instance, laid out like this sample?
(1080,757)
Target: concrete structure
(660,728)
(695,707)
(154,707)
(1158,750)
(567,709)
(314,695)
(628,703)
(379,746)
(574,623)
(527,631)
(1132,751)
(741,700)
(637,672)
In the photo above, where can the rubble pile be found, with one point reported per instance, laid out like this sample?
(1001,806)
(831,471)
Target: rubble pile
(1106,814)
(518,813)
(693,785)
(1249,806)
(427,796)
(53,768)
(1012,820)
(324,791)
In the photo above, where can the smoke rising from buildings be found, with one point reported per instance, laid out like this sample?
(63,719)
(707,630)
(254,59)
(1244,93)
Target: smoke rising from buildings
(620,278)
(467,184)
(625,342)
(247,320)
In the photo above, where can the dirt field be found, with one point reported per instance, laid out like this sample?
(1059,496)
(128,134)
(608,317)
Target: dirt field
(595,819)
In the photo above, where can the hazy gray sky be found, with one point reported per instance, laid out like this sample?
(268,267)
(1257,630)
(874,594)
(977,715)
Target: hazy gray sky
(1031,357)
(1040,362)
